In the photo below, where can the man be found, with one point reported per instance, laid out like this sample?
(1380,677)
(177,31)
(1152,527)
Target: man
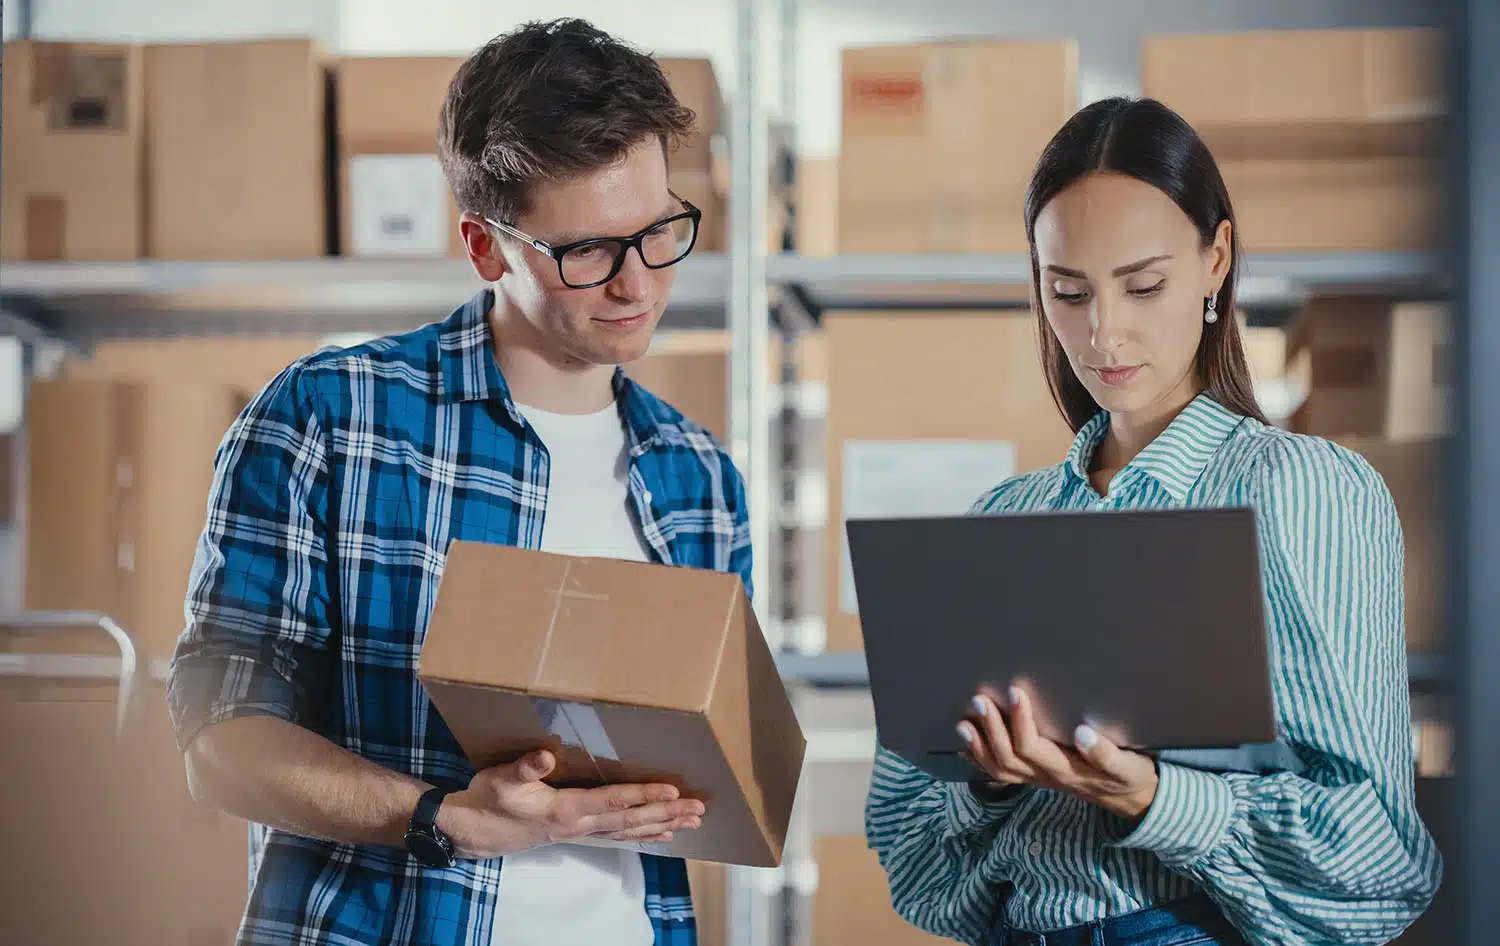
(294,689)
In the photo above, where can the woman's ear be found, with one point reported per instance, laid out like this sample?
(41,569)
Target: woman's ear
(1220,256)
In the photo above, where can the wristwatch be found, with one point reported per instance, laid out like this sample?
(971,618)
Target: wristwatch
(424,842)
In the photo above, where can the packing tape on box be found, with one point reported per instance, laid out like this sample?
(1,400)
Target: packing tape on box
(577,725)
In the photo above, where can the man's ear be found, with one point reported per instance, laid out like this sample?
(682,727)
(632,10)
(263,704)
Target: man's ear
(483,246)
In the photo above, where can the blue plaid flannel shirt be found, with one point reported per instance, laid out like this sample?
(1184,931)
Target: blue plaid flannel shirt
(336,494)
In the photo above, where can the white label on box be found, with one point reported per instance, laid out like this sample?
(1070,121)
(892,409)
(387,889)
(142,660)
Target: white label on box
(915,478)
(398,205)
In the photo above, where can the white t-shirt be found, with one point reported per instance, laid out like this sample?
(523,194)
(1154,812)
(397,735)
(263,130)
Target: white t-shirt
(566,894)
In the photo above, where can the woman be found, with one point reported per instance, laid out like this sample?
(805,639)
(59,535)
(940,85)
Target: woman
(1134,257)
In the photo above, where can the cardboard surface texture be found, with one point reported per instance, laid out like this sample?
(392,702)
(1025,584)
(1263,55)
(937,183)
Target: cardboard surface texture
(394,197)
(853,900)
(972,376)
(1371,368)
(1328,139)
(125,801)
(119,476)
(238,161)
(72,152)
(937,147)
(695,85)
(1412,472)
(629,672)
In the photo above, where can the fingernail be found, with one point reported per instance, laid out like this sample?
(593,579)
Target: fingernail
(966,734)
(981,706)
(1015,695)
(1086,737)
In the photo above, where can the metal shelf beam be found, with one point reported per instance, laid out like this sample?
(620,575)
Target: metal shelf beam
(81,301)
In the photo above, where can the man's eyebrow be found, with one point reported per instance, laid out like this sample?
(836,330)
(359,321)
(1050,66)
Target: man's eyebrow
(576,236)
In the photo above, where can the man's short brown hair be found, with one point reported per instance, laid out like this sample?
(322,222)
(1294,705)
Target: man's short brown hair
(549,101)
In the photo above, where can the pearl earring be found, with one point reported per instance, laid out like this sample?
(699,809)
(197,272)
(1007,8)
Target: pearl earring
(1212,315)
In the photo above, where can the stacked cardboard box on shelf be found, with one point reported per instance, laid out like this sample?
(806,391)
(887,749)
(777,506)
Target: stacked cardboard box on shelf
(395,199)
(76,785)
(236,151)
(1328,139)
(938,146)
(72,152)
(1376,374)
(692,164)
(118,481)
(926,411)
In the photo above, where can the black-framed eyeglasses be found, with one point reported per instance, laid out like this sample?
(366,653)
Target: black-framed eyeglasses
(594,262)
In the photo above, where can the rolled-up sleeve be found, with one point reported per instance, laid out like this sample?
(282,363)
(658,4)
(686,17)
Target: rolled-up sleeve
(1337,854)
(257,609)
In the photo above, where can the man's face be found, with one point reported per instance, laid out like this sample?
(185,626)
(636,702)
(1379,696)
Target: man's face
(604,325)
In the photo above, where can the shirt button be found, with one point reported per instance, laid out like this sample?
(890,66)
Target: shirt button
(1036,849)
(646,497)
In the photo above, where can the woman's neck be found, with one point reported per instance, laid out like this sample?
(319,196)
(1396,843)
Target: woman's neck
(1130,432)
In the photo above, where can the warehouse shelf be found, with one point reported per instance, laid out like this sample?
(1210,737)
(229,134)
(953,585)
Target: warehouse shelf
(81,302)
(984,281)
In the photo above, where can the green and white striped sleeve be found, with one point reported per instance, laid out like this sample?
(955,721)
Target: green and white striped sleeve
(1337,855)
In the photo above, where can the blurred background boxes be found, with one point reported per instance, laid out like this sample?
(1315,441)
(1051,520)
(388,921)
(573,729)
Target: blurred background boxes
(936,382)
(72,152)
(1328,139)
(237,151)
(937,144)
(119,476)
(395,199)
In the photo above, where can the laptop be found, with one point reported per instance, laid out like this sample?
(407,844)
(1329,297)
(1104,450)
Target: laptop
(1147,624)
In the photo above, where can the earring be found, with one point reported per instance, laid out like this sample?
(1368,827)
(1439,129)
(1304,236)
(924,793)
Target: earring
(1212,315)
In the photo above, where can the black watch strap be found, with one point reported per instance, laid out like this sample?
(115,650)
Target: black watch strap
(425,816)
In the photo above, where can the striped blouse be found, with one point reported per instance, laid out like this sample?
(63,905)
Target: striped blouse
(1328,851)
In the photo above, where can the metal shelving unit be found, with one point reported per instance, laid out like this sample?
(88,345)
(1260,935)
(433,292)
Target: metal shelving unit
(85,301)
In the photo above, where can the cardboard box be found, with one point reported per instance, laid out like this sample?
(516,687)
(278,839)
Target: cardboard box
(567,653)
(972,407)
(396,202)
(696,187)
(1298,76)
(1302,204)
(238,159)
(694,84)
(816,214)
(1328,139)
(1371,368)
(1413,473)
(853,900)
(72,152)
(691,373)
(74,786)
(245,364)
(938,147)
(118,480)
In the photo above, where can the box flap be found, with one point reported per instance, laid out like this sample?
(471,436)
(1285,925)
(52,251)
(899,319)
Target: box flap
(583,629)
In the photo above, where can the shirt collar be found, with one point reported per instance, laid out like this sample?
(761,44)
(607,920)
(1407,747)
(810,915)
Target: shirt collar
(1175,459)
(470,373)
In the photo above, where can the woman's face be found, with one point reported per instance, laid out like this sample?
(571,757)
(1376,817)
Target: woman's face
(1123,284)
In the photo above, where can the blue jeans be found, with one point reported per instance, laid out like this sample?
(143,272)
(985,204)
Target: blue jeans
(1195,921)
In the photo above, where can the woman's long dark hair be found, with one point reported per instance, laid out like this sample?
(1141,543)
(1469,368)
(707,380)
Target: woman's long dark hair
(1146,140)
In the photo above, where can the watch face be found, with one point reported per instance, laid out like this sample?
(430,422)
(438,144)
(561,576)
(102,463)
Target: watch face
(427,850)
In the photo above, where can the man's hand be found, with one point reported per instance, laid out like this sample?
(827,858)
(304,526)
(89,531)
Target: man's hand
(1007,746)
(508,808)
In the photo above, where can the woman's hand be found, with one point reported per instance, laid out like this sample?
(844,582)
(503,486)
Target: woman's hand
(1007,746)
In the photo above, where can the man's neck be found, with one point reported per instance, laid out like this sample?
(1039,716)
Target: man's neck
(541,377)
